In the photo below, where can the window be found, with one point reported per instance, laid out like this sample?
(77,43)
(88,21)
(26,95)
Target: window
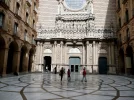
(34,5)
(118,4)
(1,19)
(127,15)
(128,34)
(27,17)
(17,8)
(25,35)
(33,24)
(32,39)
(15,28)
(120,40)
(119,22)
(75,4)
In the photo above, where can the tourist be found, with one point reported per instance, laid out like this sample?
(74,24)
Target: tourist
(84,75)
(61,73)
(68,75)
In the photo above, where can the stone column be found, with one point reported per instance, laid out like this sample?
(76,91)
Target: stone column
(53,60)
(55,45)
(83,54)
(3,61)
(16,61)
(61,46)
(94,58)
(65,53)
(87,43)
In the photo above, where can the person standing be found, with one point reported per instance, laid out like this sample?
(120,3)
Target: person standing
(84,75)
(68,75)
(61,73)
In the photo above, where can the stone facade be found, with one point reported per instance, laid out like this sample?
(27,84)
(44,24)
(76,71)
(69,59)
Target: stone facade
(17,32)
(77,37)
(125,31)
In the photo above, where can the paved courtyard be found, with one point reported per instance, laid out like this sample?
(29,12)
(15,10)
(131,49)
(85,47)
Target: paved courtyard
(48,87)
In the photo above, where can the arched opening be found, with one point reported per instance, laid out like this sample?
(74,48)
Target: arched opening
(13,47)
(121,62)
(31,53)
(129,60)
(2,50)
(47,63)
(22,57)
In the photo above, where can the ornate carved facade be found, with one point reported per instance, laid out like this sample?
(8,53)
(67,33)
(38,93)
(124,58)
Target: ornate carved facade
(77,39)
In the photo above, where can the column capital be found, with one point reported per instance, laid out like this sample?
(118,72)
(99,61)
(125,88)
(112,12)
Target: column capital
(87,42)
(55,42)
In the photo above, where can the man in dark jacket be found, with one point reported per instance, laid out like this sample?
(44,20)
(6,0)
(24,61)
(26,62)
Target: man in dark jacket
(61,73)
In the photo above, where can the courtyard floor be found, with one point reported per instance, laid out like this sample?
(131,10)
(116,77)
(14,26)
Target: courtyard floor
(45,86)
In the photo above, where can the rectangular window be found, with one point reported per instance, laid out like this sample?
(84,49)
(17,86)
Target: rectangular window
(17,8)
(15,28)
(25,35)
(1,19)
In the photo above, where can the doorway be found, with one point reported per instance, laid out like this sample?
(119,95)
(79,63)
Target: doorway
(102,65)
(47,63)
(74,63)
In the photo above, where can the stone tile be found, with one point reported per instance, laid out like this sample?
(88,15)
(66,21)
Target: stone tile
(12,88)
(93,97)
(126,93)
(40,96)
(37,90)
(67,93)
(2,85)
(10,96)
(106,93)
(125,98)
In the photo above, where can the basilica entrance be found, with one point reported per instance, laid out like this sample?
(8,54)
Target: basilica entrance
(102,65)
(74,64)
(47,63)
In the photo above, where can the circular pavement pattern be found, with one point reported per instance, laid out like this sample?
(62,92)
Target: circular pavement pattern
(46,86)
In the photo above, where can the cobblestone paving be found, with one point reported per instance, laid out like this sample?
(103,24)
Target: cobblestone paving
(48,87)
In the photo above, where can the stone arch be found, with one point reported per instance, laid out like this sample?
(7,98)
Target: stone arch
(74,50)
(129,60)
(13,48)
(47,51)
(23,56)
(121,62)
(31,55)
(2,53)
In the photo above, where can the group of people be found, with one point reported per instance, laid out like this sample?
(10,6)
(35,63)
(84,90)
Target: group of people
(62,72)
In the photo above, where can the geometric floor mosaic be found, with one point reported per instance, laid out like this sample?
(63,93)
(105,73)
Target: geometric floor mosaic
(46,86)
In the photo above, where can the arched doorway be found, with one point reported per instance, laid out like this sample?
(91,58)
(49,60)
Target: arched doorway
(31,53)
(22,57)
(121,62)
(2,53)
(129,60)
(47,63)
(74,64)
(13,47)
(103,65)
